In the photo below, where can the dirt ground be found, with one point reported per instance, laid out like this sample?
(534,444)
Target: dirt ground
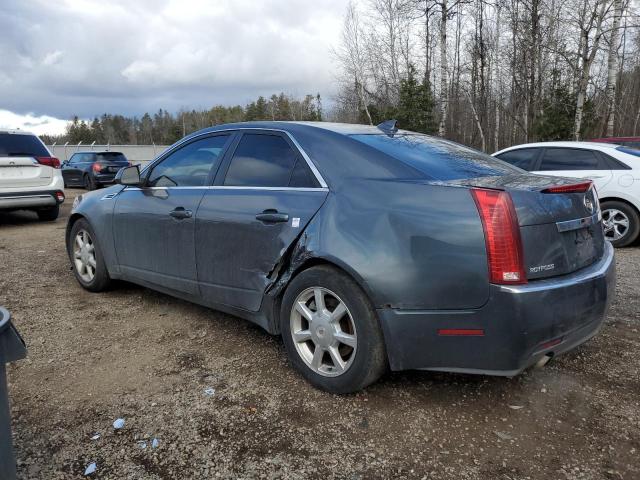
(145,357)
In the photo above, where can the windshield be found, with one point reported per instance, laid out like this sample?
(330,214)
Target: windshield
(17,145)
(438,158)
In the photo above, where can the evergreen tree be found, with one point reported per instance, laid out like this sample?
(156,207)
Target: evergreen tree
(415,107)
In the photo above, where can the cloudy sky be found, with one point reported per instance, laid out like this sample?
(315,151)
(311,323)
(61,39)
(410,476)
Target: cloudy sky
(86,57)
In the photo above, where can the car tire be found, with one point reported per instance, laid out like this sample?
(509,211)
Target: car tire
(49,214)
(338,367)
(88,263)
(620,218)
(89,182)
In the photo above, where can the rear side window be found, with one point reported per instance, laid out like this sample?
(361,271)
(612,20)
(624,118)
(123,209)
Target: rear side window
(571,159)
(263,160)
(189,166)
(522,158)
(437,158)
(111,157)
(16,145)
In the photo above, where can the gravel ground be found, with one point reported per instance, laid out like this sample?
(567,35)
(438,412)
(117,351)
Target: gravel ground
(145,357)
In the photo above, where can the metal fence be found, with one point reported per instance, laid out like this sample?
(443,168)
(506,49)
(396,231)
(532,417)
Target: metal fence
(134,153)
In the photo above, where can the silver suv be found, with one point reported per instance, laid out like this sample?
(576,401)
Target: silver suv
(30,178)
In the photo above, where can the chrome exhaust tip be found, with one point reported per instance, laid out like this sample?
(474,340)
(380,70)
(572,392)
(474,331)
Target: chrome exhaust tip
(543,360)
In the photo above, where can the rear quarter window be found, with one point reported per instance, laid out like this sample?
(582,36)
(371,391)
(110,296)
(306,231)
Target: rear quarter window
(439,159)
(521,158)
(15,144)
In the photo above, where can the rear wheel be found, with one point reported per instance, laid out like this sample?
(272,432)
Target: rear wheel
(86,258)
(89,182)
(49,214)
(621,223)
(331,331)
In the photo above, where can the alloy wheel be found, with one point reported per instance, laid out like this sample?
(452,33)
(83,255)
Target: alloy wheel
(616,224)
(84,256)
(323,331)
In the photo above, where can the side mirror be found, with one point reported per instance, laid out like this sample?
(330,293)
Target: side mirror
(129,176)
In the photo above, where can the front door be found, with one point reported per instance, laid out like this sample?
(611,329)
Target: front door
(73,170)
(154,225)
(263,197)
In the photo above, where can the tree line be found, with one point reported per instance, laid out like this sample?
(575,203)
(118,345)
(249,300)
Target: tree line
(493,73)
(485,73)
(165,128)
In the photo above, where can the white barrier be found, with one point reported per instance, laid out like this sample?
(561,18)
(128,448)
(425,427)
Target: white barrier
(135,153)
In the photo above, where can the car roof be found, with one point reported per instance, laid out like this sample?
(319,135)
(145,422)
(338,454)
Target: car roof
(566,144)
(16,132)
(97,151)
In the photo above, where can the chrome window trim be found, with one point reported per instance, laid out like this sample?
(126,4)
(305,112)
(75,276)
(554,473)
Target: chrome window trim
(231,187)
(306,157)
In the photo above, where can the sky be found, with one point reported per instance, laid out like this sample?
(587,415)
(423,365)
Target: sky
(87,57)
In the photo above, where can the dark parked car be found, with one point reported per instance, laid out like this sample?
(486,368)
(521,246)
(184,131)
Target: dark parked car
(92,169)
(633,142)
(365,248)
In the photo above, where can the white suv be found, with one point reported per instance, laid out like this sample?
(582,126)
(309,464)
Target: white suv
(30,178)
(614,169)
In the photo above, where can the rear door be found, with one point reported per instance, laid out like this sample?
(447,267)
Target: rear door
(576,163)
(154,225)
(262,200)
(19,167)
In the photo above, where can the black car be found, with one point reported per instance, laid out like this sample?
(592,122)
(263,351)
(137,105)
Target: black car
(92,169)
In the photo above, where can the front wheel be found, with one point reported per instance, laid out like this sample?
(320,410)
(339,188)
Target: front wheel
(621,223)
(86,258)
(331,331)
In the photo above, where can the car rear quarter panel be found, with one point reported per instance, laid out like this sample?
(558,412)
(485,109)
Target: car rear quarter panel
(413,245)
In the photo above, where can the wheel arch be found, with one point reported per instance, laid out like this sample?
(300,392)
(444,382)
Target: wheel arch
(613,198)
(305,264)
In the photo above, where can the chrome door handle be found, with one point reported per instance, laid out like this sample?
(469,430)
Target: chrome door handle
(180,213)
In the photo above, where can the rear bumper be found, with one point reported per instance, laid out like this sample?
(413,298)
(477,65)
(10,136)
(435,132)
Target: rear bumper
(30,199)
(520,324)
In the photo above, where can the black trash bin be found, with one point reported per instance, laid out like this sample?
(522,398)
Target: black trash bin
(12,348)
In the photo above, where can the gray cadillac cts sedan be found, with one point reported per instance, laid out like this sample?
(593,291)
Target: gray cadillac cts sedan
(366,248)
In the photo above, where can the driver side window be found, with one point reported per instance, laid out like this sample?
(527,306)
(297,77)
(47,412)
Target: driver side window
(190,165)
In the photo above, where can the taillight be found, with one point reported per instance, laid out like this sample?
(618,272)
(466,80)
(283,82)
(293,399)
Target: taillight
(97,168)
(573,188)
(49,161)
(502,236)
(59,196)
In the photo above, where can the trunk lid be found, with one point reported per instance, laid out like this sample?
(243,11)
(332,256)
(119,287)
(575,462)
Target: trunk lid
(23,172)
(561,232)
